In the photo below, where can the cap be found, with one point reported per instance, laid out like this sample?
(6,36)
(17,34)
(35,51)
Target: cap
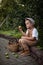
(31,20)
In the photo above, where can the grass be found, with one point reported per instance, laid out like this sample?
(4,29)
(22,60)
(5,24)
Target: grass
(13,33)
(40,47)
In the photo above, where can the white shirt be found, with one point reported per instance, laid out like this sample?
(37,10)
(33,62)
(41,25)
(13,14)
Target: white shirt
(34,33)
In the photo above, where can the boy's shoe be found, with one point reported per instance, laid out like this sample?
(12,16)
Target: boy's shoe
(25,53)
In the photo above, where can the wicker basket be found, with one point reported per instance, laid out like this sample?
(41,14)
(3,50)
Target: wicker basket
(13,47)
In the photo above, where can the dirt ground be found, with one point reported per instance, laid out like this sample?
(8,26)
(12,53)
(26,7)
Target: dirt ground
(12,60)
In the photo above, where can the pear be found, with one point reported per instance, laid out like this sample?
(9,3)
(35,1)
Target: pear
(7,57)
(16,55)
(13,53)
(6,53)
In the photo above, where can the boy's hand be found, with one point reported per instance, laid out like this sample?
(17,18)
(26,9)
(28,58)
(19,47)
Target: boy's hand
(20,28)
(23,37)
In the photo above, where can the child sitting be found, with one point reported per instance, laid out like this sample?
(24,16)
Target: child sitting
(29,38)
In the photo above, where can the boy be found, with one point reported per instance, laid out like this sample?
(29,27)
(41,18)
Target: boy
(29,38)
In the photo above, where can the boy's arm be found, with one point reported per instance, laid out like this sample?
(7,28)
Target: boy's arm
(20,29)
(29,38)
(23,33)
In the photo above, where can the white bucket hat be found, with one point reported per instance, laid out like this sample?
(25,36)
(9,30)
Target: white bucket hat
(31,20)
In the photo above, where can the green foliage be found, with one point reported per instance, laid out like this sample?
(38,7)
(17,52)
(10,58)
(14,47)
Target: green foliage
(13,33)
(18,10)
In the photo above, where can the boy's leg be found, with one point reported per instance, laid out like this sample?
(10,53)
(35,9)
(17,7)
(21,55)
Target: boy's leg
(24,43)
(21,48)
(24,46)
(30,43)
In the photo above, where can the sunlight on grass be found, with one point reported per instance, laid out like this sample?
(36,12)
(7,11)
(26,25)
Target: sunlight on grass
(11,33)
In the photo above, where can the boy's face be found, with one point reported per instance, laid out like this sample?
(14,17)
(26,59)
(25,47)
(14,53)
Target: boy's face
(28,24)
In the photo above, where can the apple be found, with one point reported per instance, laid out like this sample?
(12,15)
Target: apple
(20,27)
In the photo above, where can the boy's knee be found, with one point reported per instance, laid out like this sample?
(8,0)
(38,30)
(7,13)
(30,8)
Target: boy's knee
(21,41)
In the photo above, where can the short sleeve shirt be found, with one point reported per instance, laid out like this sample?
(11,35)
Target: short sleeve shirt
(34,33)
